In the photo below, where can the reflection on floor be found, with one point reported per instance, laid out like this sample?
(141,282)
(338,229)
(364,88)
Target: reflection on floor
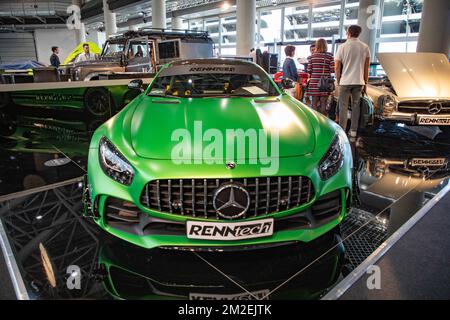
(35,151)
(48,235)
(396,172)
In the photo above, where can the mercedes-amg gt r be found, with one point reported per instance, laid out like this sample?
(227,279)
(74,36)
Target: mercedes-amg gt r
(213,155)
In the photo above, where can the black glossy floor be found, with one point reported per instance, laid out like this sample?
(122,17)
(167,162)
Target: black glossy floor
(47,233)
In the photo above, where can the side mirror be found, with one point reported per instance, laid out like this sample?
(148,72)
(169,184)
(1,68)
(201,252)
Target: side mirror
(287,83)
(136,84)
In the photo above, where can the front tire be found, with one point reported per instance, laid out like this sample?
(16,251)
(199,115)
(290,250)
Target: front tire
(4,100)
(98,101)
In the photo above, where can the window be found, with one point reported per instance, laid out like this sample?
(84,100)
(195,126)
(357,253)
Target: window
(325,20)
(296,20)
(196,25)
(311,20)
(400,7)
(325,32)
(169,49)
(229,30)
(114,49)
(270,29)
(138,49)
(401,18)
(212,26)
(238,81)
(351,12)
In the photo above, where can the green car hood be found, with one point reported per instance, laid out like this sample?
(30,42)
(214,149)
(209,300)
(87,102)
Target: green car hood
(155,119)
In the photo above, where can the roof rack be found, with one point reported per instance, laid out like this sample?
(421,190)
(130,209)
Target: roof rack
(169,31)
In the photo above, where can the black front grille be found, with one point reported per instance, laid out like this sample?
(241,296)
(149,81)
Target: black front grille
(194,197)
(422,107)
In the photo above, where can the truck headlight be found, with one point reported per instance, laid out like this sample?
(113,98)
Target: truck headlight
(76,74)
(114,164)
(333,159)
(388,104)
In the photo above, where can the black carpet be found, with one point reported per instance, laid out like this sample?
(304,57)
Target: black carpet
(417,266)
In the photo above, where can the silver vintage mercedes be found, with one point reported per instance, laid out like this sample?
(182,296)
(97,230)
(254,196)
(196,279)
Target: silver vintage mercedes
(416,89)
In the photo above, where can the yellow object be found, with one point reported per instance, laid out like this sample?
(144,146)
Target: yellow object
(79,49)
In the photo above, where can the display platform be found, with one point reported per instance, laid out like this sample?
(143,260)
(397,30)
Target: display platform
(50,248)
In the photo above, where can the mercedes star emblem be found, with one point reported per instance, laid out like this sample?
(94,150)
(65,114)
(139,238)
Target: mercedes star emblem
(435,108)
(231,165)
(231,201)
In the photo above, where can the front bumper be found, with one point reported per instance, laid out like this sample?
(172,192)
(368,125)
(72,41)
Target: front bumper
(417,119)
(102,188)
(299,224)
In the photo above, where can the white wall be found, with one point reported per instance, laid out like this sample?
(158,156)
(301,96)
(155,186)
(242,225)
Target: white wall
(46,38)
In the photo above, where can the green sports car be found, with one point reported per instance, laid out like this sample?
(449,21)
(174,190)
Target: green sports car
(214,156)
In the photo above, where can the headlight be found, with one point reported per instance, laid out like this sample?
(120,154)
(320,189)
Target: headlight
(333,159)
(77,74)
(388,104)
(114,164)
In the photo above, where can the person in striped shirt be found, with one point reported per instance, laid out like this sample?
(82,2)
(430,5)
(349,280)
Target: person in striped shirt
(321,64)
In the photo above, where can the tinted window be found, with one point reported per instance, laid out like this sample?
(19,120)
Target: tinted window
(169,50)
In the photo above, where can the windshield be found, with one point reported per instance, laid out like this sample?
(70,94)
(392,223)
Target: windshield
(192,81)
(113,49)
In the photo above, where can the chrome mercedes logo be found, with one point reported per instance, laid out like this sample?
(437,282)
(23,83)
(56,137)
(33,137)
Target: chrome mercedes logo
(435,108)
(231,165)
(231,201)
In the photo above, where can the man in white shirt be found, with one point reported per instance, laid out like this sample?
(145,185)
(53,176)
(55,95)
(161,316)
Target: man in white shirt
(86,55)
(352,73)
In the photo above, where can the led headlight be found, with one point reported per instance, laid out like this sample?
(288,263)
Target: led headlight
(114,164)
(333,159)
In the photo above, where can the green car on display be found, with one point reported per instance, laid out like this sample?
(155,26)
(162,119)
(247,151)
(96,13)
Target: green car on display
(214,156)
(95,99)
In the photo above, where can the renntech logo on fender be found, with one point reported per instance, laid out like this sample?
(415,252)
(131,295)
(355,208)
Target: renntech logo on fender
(229,231)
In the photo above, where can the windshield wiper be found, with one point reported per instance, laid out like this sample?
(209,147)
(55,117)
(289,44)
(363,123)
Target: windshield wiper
(157,95)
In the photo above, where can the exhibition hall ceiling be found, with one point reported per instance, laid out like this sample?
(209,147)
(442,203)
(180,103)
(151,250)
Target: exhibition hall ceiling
(31,13)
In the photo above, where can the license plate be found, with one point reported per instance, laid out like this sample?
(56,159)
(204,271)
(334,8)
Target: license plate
(255,295)
(433,121)
(229,230)
(424,162)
